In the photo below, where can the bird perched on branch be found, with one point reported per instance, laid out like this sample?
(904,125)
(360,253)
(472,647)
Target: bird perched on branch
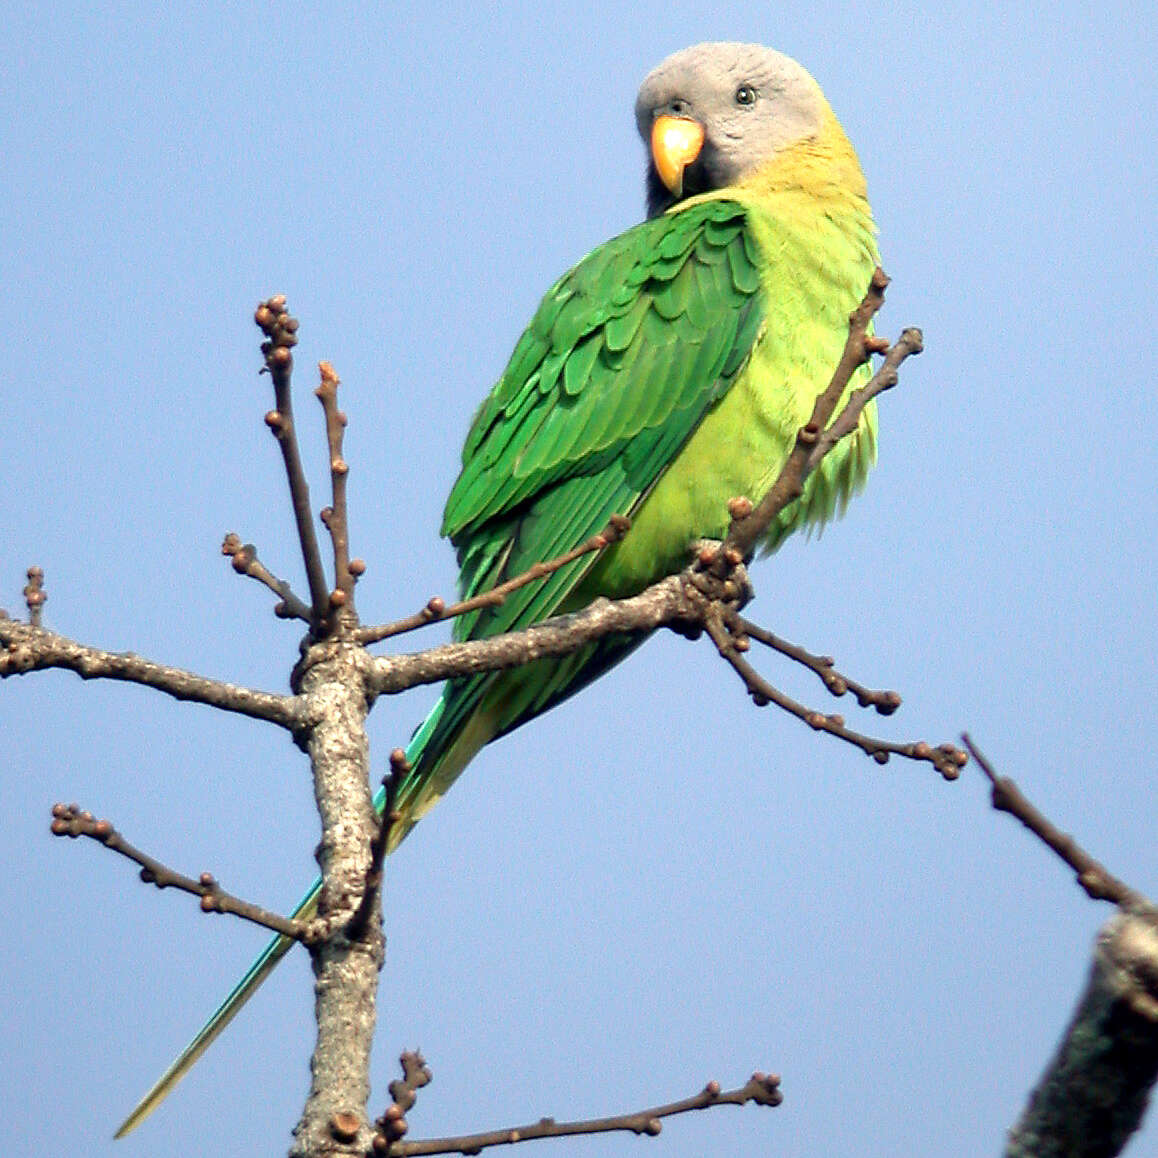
(668,372)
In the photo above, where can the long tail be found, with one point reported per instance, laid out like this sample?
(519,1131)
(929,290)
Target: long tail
(222,1016)
(417,749)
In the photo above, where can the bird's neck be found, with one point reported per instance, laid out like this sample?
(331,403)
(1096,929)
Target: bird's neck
(824,170)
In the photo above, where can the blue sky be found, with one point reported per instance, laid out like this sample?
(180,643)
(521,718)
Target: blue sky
(656,884)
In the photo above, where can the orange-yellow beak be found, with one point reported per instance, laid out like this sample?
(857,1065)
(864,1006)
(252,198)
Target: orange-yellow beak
(675,143)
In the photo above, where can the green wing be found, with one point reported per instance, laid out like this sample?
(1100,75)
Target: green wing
(625,355)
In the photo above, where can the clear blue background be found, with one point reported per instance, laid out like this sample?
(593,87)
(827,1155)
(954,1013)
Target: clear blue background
(657,884)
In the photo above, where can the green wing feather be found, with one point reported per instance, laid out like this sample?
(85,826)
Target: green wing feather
(616,370)
(623,357)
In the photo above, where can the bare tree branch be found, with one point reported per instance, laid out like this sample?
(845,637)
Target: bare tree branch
(399,767)
(945,758)
(661,603)
(1094,1092)
(436,609)
(392,1125)
(336,517)
(246,562)
(337,681)
(749,528)
(886,377)
(28,648)
(1098,883)
(346,967)
(281,336)
(885,702)
(763,1089)
(69,820)
(34,595)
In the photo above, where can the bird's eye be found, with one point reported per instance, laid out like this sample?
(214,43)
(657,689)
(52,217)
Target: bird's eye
(745,95)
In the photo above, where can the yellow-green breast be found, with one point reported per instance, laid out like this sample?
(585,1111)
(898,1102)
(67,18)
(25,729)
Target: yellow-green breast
(808,212)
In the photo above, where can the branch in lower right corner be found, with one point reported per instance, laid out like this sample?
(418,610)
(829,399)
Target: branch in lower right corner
(1095,1090)
(69,820)
(1092,1096)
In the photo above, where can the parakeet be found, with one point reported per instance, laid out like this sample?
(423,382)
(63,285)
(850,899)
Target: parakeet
(666,373)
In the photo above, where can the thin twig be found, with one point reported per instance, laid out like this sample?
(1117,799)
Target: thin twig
(392,1125)
(399,767)
(763,1089)
(281,333)
(34,595)
(1097,881)
(436,609)
(945,758)
(886,377)
(747,530)
(336,517)
(69,820)
(246,562)
(823,666)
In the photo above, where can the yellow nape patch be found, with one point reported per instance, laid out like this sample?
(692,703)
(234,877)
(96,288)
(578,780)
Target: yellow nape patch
(823,166)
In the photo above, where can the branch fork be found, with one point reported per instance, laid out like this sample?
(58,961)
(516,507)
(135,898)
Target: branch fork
(1095,1089)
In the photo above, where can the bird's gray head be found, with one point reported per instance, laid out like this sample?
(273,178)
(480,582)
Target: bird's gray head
(749,101)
